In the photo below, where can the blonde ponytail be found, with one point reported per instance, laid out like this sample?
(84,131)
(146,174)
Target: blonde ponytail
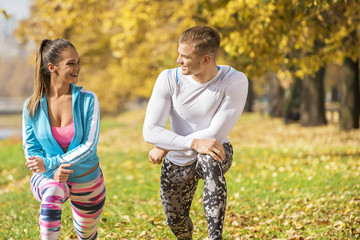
(42,81)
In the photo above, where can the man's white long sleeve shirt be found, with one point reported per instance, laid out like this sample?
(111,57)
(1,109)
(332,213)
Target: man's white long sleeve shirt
(196,110)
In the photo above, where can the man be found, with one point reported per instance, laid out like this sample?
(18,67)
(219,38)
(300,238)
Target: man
(204,101)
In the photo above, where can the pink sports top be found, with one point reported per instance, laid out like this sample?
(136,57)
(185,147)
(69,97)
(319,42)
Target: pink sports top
(64,135)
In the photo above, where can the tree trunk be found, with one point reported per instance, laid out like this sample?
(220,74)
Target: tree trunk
(250,98)
(350,96)
(293,101)
(312,107)
(277,97)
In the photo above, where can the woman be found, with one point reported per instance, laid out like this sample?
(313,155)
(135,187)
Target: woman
(60,136)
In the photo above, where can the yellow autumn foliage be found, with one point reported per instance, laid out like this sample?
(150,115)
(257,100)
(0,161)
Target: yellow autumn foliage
(125,44)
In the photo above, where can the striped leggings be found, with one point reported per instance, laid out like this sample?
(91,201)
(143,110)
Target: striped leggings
(87,201)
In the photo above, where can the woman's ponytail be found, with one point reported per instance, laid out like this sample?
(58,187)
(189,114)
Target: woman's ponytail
(42,78)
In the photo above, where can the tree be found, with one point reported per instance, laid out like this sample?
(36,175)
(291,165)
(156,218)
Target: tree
(123,44)
(300,37)
(276,95)
(313,99)
(350,96)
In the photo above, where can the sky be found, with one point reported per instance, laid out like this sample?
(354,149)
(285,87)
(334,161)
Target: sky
(18,9)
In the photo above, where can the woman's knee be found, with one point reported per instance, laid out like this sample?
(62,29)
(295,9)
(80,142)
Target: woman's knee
(55,192)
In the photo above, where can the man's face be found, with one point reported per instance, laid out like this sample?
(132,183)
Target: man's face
(188,59)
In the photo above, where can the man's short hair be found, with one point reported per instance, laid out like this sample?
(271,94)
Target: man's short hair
(206,40)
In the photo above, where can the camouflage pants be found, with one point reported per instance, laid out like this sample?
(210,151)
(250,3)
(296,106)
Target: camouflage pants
(177,188)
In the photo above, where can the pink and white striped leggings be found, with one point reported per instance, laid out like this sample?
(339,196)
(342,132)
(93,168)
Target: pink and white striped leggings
(87,201)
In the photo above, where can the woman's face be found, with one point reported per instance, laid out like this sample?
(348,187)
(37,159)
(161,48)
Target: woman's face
(68,67)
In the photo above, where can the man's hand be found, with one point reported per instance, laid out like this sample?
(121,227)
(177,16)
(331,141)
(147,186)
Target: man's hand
(62,174)
(156,155)
(35,164)
(209,146)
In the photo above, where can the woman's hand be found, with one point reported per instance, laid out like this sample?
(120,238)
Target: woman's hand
(62,174)
(156,155)
(36,164)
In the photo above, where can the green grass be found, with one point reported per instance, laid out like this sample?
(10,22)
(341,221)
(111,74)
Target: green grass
(286,182)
